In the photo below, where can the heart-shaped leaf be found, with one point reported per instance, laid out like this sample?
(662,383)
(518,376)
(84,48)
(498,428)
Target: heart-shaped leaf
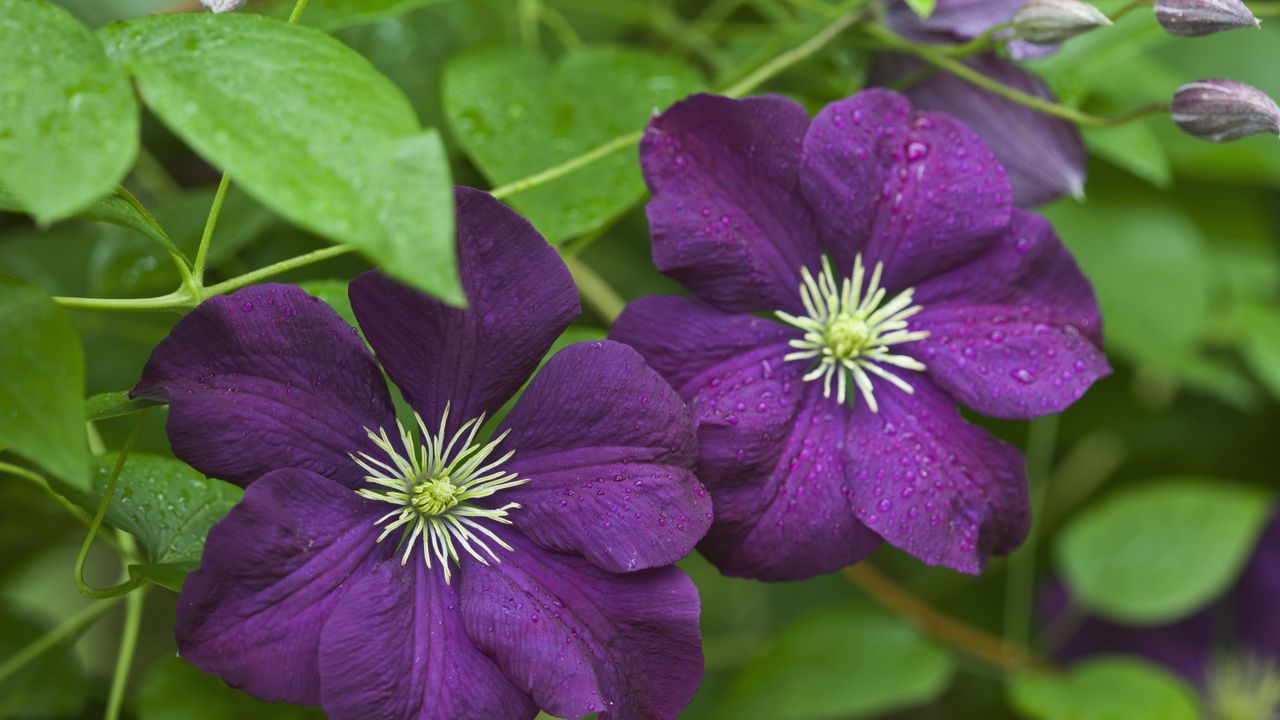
(515,115)
(308,127)
(69,129)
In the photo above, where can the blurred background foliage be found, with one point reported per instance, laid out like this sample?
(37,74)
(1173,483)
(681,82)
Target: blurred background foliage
(1155,486)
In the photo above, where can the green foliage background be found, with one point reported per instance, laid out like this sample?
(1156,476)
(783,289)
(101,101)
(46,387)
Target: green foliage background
(1154,486)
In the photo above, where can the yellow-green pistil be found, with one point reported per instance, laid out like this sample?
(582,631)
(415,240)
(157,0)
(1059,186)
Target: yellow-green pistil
(432,484)
(849,332)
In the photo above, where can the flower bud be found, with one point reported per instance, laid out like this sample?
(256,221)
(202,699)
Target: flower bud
(1046,22)
(221,6)
(1224,110)
(1203,17)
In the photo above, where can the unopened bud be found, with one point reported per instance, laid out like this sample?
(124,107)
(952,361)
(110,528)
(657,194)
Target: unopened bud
(221,6)
(1046,22)
(1203,17)
(1223,110)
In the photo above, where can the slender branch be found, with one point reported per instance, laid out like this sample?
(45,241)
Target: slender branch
(962,636)
(595,290)
(133,603)
(75,512)
(527,11)
(51,639)
(176,300)
(1042,437)
(293,263)
(575,163)
(981,43)
(560,27)
(1130,8)
(152,175)
(297,11)
(211,222)
(130,584)
(944,62)
(795,55)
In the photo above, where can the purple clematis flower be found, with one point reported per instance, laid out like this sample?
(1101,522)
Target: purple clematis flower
(1044,156)
(836,427)
(445,576)
(1230,650)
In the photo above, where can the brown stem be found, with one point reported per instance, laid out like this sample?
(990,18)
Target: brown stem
(962,636)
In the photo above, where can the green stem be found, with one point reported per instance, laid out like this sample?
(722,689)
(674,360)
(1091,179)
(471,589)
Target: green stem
(40,482)
(51,639)
(1130,8)
(528,16)
(152,175)
(595,290)
(560,27)
(176,300)
(979,44)
(131,584)
(297,11)
(558,171)
(211,222)
(1265,9)
(794,55)
(180,262)
(945,62)
(1042,437)
(293,263)
(133,603)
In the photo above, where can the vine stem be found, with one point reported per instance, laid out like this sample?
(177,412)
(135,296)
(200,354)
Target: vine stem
(962,636)
(40,482)
(130,584)
(1125,10)
(61,632)
(946,63)
(133,603)
(595,290)
(1042,438)
(206,237)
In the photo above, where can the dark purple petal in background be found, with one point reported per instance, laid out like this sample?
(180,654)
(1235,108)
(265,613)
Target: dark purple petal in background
(268,377)
(682,337)
(582,640)
(918,192)
(1044,156)
(932,484)
(725,218)
(395,648)
(272,571)
(608,449)
(770,451)
(955,21)
(520,297)
(1257,597)
(1015,333)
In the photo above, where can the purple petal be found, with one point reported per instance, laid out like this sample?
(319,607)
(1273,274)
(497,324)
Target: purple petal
(932,484)
(769,450)
(608,448)
(268,377)
(919,193)
(1258,595)
(1043,156)
(682,337)
(726,219)
(583,640)
(1016,333)
(273,569)
(520,297)
(395,648)
(954,21)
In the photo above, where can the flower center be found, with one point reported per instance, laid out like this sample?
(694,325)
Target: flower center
(433,482)
(849,330)
(1245,688)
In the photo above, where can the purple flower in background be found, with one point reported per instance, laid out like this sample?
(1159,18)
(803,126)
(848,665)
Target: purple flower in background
(444,576)
(1044,156)
(1230,650)
(836,427)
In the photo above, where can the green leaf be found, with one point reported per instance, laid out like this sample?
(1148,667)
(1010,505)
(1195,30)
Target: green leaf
(1133,147)
(69,129)
(308,127)
(515,115)
(113,209)
(1260,343)
(164,503)
(843,664)
(1161,551)
(923,8)
(330,15)
(1150,269)
(167,575)
(41,382)
(174,689)
(114,404)
(334,293)
(1104,688)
